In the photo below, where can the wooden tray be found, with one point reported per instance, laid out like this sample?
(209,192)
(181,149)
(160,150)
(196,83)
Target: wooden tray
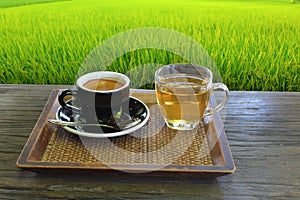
(154,150)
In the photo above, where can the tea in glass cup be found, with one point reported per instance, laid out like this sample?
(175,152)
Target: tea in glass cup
(183,92)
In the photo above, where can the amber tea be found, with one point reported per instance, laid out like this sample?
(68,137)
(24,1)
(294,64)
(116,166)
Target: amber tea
(183,92)
(182,100)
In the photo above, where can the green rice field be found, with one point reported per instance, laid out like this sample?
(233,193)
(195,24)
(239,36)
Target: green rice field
(254,44)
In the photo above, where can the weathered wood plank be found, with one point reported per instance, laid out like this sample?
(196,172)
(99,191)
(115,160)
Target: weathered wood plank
(263,130)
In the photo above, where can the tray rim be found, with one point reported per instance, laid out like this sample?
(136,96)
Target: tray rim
(25,163)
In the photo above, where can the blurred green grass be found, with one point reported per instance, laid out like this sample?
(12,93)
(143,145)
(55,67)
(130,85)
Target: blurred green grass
(254,44)
(13,3)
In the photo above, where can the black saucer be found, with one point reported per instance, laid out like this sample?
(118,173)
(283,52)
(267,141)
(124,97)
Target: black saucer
(137,110)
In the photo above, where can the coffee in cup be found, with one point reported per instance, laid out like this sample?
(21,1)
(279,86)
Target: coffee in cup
(103,84)
(99,97)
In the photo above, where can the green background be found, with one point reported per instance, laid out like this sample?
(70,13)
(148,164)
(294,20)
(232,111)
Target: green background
(254,44)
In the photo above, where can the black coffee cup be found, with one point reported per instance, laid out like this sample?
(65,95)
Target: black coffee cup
(99,97)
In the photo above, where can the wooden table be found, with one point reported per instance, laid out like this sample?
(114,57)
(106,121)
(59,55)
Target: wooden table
(263,130)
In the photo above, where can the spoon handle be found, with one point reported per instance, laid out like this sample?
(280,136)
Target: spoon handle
(117,127)
(64,123)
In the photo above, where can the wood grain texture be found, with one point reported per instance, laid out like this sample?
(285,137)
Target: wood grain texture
(263,129)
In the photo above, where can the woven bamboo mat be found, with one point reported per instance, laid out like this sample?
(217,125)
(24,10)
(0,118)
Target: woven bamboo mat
(149,149)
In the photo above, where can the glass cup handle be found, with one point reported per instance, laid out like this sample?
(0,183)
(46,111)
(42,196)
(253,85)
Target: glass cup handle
(222,87)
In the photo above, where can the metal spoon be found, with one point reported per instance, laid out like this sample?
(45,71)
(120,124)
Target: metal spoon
(119,126)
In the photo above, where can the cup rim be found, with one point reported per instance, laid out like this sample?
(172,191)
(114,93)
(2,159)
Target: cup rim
(102,74)
(185,64)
